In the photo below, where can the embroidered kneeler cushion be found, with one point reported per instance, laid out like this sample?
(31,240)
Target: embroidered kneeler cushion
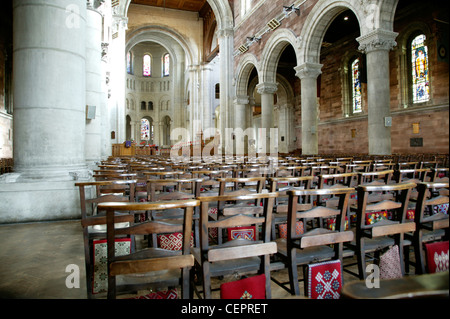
(213,232)
(441,208)
(164,294)
(282,229)
(437,256)
(100,279)
(324,280)
(390,264)
(331,223)
(243,232)
(247,288)
(172,241)
(373,217)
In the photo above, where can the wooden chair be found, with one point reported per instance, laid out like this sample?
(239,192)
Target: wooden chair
(237,256)
(374,237)
(94,224)
(281,185)
(149,267)
(160,190)
(314,244)
(430,226)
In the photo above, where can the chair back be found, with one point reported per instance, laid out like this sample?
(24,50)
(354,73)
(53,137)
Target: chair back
(149,259)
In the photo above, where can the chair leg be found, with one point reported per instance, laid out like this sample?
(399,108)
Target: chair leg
(206,281)
(292,270)
(419,253)
(185,283)
(360,252)
(266,265)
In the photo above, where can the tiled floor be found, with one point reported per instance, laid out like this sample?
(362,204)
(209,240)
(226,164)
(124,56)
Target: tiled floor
(34,258)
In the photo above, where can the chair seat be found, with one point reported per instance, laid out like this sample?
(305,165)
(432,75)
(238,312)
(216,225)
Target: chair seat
(224,267)
(307,255)
(373,244)
(428,235)
(127,283)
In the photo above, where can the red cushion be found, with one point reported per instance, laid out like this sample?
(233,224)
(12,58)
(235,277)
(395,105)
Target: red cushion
(166,294)
(247,288)
(299,229)
(244,232)
(172,241)
(437,256)
(324,280)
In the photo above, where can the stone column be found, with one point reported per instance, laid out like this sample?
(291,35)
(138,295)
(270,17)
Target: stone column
(49,88)
(94,95)
(377,45)
(118,78)
(267,91)
(308,73)
(241,141)
(207,94)
(226,43)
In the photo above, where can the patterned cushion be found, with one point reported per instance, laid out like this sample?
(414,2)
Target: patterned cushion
(165,294)
(331,223)
(390,264)
(282,229)
(245,232)
(410,213)
(373,217)
(172,241)
(437,256)
(247,288)
(100,279)
(325,280)
(442,208)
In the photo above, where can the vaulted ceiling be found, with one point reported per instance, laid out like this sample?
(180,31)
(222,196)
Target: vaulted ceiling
(186,5)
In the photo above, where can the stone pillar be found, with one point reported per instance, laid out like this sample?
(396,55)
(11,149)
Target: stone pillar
(49,88)
(267,91)
(207,101)
(377,45)
(308,73)
(226,44)
(118,78)
(94,95)
(241,141)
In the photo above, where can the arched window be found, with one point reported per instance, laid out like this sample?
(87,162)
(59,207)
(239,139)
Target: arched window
(150,106)
(147,65)
(166,64)
(147,130)
(356,86)
(129,63)
(419,68)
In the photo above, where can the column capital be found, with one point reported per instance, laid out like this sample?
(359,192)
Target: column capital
(308,70)
(242,100)
(226,32)
(377,40)
(267,87)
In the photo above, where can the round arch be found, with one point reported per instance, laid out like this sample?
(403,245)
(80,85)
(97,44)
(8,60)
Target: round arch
(273,49)
(378,14)
(244,70)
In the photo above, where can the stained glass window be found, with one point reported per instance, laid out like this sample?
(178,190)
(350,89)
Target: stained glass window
(166,65)
(145,130)
(356,86)
(147,65)
(129,65)
(419,60)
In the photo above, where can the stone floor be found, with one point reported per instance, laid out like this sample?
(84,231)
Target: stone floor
(35,256)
